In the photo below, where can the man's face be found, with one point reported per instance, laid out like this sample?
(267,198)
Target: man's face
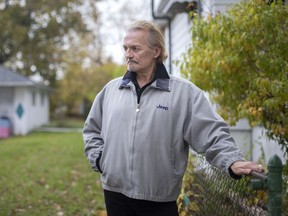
(139,56)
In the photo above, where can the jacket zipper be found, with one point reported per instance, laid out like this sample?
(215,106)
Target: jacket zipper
(133,140)
(139,99)
(138,108)
(132,145)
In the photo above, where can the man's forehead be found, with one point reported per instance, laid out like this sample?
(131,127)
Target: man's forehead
(136,37)
(136,33)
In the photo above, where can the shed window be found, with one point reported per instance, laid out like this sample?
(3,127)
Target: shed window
(33,98)
(42,99)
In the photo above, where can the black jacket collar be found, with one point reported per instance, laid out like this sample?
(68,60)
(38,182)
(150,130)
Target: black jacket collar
(161,78)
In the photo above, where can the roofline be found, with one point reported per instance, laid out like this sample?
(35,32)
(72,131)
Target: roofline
(12,84)
(32,85)
(27,82)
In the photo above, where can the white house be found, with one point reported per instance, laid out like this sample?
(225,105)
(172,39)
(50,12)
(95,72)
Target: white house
(23,102)
(172,16)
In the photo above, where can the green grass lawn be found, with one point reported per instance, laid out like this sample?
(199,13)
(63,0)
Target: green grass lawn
(66,122)
(47,174)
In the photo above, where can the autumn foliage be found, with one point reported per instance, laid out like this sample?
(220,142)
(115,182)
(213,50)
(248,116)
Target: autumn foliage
(241,59)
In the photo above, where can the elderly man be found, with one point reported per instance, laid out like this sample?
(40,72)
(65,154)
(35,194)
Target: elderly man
(141,126)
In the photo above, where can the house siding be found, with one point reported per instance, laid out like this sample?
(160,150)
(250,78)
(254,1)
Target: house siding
(181,39)
(39,110)
(22,99)
(213,7)
(33,115)
(6,101)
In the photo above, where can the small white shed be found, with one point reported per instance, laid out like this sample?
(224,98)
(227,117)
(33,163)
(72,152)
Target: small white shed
(24,103)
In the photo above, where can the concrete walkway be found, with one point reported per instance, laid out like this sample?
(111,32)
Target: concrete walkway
(56,129)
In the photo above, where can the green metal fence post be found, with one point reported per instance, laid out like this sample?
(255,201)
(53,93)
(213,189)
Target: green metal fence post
(273,183)
(274,186)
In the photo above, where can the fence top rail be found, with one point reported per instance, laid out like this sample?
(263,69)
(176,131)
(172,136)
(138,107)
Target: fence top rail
(258,175)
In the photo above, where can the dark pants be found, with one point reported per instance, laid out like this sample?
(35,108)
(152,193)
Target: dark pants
(118,204)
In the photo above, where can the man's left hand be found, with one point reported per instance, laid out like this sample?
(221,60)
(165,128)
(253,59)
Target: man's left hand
(246,167)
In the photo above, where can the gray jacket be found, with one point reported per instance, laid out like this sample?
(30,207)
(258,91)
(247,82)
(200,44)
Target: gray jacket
(142,149)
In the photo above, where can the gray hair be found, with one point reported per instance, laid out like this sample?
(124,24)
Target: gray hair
(155,38)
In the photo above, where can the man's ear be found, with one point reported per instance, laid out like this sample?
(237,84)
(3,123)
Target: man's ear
(157,52)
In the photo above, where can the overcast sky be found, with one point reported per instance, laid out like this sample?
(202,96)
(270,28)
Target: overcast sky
(116,15)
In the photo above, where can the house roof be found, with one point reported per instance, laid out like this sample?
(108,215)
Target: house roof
(10,78)
(172,7)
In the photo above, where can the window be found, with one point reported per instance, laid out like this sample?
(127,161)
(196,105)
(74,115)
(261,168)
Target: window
(42,99)
(33,98)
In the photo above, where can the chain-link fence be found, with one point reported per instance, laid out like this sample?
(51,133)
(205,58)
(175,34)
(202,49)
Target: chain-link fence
(209,191)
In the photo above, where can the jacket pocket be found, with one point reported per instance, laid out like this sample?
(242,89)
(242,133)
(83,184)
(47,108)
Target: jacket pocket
(98,163)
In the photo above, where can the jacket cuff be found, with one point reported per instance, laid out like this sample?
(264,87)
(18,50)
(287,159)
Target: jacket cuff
(233,175)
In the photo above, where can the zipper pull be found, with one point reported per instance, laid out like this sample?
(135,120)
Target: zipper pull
(137,109)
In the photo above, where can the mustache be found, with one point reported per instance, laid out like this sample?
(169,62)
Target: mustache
(131,61)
